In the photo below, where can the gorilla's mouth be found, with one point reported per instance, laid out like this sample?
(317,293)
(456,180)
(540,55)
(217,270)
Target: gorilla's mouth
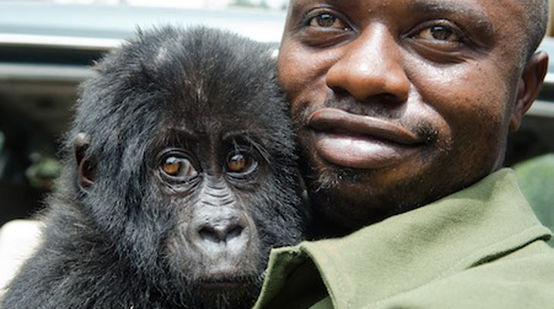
(231,291)
(218,284)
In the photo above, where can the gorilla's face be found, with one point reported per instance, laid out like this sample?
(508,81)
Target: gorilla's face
(192,173)
(216,184)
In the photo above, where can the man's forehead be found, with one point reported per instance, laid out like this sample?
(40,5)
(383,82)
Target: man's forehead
(495,15)
(425,5)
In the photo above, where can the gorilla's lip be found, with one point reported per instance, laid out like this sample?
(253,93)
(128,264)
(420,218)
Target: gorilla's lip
(224,283)
(221,285)
(334,120)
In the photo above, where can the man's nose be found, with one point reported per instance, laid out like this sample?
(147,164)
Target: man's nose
(371,65)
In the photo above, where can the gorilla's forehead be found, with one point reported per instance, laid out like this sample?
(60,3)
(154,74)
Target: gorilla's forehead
(214,131)
(207,85)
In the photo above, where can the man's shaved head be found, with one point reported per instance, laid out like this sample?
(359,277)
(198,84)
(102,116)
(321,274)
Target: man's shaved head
(537,20)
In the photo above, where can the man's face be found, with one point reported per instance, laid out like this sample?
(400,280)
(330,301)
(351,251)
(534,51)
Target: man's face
(400,102)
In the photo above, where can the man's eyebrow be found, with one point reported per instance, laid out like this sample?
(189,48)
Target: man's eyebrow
(452,7)
(444,7)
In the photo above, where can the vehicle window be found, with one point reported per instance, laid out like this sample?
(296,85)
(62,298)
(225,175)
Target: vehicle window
(47,48)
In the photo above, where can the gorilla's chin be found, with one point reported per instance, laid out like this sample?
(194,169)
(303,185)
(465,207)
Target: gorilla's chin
(237,292)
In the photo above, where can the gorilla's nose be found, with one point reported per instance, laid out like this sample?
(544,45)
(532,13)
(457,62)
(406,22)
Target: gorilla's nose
(224,230)
(220,229)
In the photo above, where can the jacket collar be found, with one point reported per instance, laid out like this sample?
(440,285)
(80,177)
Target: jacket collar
(465,229)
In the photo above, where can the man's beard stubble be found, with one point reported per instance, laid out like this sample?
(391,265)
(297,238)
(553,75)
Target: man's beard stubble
(326,184)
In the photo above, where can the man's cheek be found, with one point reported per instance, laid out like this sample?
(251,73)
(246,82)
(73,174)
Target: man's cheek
(301,67)
(465,96)
(305,97)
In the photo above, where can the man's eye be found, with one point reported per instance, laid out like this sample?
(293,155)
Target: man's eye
(440,33)
(175,166)
(326,20)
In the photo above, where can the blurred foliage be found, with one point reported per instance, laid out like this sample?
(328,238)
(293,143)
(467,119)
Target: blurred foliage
(536,178)
(248,3)
(2,157)
(2,138)
(43,172)
(263,4)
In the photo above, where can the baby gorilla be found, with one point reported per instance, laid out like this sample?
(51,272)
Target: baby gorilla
(180,176)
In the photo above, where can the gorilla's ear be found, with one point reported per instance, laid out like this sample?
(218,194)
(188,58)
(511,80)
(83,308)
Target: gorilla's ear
(529,86)
(86,169)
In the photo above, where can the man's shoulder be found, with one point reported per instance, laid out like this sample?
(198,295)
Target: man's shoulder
(521,279)
(482,245)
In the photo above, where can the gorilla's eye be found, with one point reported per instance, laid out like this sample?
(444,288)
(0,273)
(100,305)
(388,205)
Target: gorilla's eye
(240,163)
(176,166)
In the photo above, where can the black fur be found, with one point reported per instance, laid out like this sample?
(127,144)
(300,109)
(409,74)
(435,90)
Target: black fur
(106,246)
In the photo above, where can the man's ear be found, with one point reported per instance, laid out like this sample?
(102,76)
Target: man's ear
(86,169)
(529,86)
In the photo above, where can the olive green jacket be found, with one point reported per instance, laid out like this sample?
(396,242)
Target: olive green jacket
(481,247)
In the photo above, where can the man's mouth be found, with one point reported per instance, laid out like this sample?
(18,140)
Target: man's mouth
(360,141)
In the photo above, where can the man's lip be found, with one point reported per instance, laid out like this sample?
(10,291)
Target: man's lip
(334,120)
(361,142)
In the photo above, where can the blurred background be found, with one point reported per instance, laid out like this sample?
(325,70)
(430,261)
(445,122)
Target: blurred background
(46,48)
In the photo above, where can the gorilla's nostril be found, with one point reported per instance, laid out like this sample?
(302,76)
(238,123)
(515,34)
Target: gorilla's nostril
(220,234)
(234,233)
(209,234)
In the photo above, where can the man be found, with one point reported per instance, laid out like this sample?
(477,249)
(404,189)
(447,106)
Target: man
(403,108)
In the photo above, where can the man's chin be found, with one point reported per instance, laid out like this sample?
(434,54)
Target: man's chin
(337,197)
(326,176)
(350,199)
(331,178)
